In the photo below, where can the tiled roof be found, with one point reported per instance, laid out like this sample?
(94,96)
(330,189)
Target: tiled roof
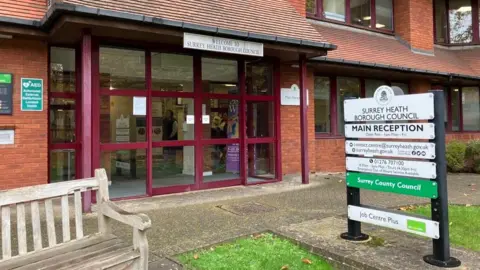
(23,9)
(269,17)
(383,50)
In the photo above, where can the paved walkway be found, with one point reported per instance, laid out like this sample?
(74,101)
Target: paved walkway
(192,220)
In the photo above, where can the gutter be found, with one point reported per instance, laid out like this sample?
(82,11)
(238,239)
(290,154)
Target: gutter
(390,67)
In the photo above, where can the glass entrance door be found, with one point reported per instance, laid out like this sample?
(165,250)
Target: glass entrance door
(171,122)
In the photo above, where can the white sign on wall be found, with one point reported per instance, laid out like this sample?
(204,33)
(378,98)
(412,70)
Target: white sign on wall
(291,96)
(7,136)
(139,105)
(391,131)
(387,107)
(391,149)
(223,45)
(418,169)
(415,225)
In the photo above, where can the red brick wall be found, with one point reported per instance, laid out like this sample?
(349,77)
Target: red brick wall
(25,162)
(25,9)
(330,155)
(464,136)
(414,22)
(290,124)
(419,86)
(299,5)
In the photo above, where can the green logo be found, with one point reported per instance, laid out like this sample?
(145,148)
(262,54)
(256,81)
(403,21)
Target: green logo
(5,78)
(417,226)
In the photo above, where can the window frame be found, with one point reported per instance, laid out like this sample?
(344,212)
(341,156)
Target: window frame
(461,127)
(475,25)
(318,15)
(334,130)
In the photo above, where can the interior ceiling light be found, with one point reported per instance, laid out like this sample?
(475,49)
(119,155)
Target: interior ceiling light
(379,25)
(464,9)
(367,18)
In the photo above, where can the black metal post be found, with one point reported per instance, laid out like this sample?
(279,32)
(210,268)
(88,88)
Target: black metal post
(354,227)
(441,247)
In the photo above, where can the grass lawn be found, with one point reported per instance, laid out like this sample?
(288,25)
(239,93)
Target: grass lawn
(263,252)
(464,224)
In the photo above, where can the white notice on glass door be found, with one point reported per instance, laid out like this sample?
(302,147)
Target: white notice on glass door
(139,105)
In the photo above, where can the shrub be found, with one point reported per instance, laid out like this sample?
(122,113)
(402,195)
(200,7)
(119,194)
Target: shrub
(472,156)
(456,156)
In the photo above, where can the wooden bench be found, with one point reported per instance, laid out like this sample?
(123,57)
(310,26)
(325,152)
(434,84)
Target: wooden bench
(60,250)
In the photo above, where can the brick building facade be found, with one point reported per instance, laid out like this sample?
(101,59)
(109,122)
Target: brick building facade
(99,59)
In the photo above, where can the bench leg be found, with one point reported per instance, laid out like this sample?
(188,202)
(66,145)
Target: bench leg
(140,243)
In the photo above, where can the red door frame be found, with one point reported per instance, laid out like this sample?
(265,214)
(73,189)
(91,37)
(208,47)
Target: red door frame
(199,97)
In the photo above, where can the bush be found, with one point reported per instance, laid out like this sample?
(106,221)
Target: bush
(456,156)
(472,156)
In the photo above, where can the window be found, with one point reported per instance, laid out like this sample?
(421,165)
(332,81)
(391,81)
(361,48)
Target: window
(322,104)
(347,88)
(471,108)
(371,86)
(374,14)
(455,107)
(334,10)
(456,21)
(360,12)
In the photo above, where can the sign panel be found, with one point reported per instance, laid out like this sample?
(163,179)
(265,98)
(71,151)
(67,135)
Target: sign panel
(389,108)
(391,149)
(407,168)
(223,45)
(6,94)
(31,94)
(7,136)
(291,96)
(139,105)
(190,119)
(406,223)
(392,184)
(391,131)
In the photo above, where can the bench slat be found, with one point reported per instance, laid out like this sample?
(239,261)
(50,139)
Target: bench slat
(37,231)
(41,192)
(52,237)
(6,233)
(65,219)
(78,215)
(21,229)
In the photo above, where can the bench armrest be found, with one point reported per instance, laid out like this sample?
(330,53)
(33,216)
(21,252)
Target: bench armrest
(137,221)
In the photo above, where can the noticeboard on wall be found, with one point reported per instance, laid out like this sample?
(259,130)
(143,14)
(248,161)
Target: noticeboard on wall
(6,94)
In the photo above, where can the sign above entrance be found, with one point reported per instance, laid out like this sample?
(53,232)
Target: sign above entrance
(223,45)
(419,226)
(387,107)
(391,131)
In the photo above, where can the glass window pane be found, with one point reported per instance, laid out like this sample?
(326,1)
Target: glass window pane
(371,86)
(117,122)
(122,69)
(322,104)
(127,169)
(259,79)
(173,166)
(62,165)
(169,117)
(219,76)
(334,10)
(460,18)
(360,12)
(172,72)
(384,14)
(347,88)
(62,70)
(311,6)
(224,121)
(261,162)
(455,92)
(221,162)
(260,119)
(440,21)
(62,120)
(471,108)
(402,86)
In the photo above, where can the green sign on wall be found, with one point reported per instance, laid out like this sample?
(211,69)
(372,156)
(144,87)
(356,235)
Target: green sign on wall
(399,185)
(31,94)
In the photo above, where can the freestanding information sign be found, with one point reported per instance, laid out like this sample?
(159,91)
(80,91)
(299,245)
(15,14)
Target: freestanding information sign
(374,165)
